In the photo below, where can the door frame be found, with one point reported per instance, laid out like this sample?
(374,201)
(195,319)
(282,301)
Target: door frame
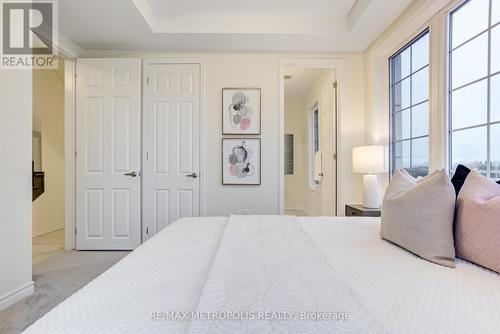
(337,64)
(69,53)
(69,154)
(145,96)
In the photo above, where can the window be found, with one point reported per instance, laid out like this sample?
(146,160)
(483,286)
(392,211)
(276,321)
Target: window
(474,87)
(409,91)
(315,131)
(314,144)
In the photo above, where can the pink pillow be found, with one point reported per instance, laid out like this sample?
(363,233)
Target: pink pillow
(477,222)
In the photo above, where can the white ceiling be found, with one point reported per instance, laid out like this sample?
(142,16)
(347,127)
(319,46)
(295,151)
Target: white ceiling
(185,7)
(303,79)
(227,25)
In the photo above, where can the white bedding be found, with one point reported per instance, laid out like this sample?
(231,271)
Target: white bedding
(170,272)
(271,264)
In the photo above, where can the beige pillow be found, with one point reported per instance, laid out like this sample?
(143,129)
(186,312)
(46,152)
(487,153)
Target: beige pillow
(417,214)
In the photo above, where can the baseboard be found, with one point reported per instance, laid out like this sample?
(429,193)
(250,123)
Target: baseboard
(303,212)
(309,213)
(16,295)
(47,229)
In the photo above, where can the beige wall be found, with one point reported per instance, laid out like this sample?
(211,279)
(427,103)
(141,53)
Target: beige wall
(48,109)
(296,123)
(351,129)
(242,70)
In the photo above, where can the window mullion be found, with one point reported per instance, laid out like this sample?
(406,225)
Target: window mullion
(488,102)
(450,92)
(411,110)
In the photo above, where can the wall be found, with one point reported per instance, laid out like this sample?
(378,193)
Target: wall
(241,71)
(48,108)
(296,123)
(351,118)
(15,190)
(262,70)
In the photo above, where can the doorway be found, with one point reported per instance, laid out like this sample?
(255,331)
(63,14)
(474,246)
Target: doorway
(310,141)
(136,172)
(48,162)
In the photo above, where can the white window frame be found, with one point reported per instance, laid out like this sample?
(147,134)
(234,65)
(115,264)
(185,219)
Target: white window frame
(313,185)
(432,15)
(450,89)
(411,138)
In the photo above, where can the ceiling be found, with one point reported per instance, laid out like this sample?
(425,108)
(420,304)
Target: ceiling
(227,25)
(302,80)
(196,7)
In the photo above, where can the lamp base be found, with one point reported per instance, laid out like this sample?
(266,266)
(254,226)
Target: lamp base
(370,192)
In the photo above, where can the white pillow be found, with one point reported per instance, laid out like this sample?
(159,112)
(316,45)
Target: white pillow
(417,214)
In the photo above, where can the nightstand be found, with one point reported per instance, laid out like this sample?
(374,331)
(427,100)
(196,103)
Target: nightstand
(359,210)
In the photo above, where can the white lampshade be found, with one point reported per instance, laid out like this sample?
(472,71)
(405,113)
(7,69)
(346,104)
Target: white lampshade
(368,159)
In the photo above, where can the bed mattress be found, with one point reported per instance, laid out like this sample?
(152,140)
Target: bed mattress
(199,264)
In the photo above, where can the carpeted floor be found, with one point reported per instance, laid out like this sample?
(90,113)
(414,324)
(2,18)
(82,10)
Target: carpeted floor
(56,279)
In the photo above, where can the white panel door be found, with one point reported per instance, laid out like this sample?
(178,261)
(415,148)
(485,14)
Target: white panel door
(108,144)
(172,127)
(328,138)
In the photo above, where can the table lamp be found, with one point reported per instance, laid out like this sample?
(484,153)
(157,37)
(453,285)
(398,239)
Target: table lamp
(369,160)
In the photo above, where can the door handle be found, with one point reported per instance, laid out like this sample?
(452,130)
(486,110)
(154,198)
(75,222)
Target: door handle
(193,175)
(132,174)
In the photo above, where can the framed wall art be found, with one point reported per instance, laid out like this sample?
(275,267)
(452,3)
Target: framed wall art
(241,111)
(241,161)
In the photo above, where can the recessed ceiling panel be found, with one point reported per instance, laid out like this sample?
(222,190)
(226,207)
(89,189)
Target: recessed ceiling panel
(250,7)
(227,25)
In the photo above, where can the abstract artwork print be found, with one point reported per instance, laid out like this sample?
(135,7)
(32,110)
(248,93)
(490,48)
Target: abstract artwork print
(241,111)
(241,161)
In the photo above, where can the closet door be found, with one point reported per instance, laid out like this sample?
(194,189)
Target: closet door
(108,154)
(172,127)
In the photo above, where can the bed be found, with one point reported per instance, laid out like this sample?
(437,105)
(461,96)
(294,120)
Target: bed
(279,274)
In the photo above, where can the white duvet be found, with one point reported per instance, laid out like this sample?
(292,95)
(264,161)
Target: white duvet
(278,266)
